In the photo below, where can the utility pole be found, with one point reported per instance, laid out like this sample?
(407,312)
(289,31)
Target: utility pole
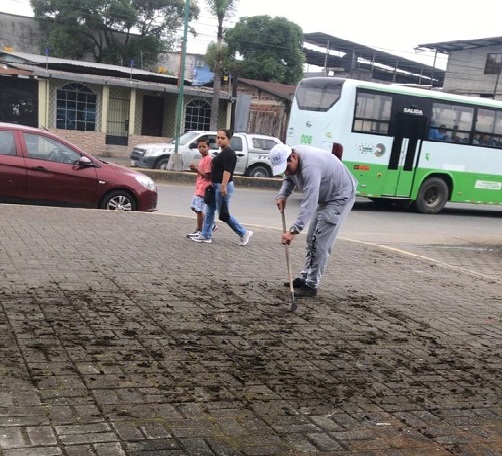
(433,69)
(177,164)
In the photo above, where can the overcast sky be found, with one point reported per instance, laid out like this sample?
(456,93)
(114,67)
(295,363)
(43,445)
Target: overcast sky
(395,26)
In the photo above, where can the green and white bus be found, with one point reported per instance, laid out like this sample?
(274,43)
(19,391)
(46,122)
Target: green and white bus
(419,146)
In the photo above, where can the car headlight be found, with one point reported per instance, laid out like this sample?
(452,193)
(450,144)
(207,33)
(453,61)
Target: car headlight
(151,151)
(146,182)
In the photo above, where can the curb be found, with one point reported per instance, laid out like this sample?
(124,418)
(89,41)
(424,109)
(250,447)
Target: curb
(187,177)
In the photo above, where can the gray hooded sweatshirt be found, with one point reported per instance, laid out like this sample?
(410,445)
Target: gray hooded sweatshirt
(322,178)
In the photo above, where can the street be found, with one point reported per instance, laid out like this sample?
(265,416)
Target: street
(466,236)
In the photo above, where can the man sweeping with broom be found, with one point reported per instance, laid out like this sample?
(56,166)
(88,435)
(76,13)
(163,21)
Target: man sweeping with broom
(329,192)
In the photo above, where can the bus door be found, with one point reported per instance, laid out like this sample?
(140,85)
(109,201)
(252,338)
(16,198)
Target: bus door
(406,146)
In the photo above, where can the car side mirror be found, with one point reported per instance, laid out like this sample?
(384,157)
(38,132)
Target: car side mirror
(85,161)
(193,145)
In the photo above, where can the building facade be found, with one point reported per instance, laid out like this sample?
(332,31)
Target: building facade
(104,109)
(474,66)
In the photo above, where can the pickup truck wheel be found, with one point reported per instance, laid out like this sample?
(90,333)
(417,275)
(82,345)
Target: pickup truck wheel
(259,171)
(162,163)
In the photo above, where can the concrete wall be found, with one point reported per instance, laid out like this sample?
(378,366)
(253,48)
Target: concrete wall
(465,73)
(94,142)
(22,34)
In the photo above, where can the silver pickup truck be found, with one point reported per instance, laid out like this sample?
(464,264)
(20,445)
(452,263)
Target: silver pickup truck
(252,151)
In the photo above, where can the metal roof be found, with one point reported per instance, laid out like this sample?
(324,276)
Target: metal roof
(98,79)
(20,63)
(462,45)
(404,70)
(80,66)
(286,91)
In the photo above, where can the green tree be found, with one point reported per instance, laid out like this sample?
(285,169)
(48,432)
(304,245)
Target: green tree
(271,49)
(221,57)
(112,31)
(222,9)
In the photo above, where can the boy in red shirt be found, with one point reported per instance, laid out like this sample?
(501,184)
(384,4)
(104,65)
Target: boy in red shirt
(203,179)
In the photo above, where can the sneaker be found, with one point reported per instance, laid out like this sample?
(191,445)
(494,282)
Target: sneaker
(305,292)
(215,227)
(201,238)
(245,239)
(194,234)
(297,283)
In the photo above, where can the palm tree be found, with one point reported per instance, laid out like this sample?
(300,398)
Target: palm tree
(222,9)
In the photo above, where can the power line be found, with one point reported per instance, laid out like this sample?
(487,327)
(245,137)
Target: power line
(203,39)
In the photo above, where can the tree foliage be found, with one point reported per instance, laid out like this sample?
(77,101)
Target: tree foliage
(271,49)
(219,56)
(112,31)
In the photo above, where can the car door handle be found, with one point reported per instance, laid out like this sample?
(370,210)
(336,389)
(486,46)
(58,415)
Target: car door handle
(240,155)
(39,168)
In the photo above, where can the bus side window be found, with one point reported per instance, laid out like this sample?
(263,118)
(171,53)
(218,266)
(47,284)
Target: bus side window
(372,113)
(451,122)
(439,133)
(358,125)
(460,137)
(486,140)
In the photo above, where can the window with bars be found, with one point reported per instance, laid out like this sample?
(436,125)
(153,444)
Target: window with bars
(76,108)
(197,115)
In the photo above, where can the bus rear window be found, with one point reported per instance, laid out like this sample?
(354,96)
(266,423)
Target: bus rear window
(315,94)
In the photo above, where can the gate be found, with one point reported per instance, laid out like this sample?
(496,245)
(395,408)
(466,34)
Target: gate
(117,128)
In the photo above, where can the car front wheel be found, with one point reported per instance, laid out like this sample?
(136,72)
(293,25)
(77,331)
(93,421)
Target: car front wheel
(162,163)
(118,200)
(259,171)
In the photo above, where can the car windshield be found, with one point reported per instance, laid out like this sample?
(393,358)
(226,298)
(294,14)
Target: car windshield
(185,138)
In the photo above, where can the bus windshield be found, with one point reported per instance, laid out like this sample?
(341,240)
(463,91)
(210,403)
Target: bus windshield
(318,94)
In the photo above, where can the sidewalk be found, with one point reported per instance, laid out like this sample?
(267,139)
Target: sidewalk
(121,337)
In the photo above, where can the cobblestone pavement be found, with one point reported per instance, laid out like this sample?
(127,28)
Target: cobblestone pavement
(477,259)
(118,336)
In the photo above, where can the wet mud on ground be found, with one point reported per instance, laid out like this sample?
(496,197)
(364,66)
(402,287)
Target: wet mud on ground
(118,344)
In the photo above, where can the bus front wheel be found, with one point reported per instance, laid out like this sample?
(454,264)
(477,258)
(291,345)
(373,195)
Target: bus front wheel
(432,196)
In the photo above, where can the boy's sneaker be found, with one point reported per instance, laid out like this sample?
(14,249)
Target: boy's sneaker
(194,234)
(215,227)
(306,292)
(201,238)
(246,237)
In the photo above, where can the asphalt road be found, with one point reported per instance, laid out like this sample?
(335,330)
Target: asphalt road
(368,222)
(465,236)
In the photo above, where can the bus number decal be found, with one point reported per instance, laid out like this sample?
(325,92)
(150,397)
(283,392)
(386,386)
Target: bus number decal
(306,139)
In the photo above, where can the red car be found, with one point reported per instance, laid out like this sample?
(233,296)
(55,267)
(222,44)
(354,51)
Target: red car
(38,167)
